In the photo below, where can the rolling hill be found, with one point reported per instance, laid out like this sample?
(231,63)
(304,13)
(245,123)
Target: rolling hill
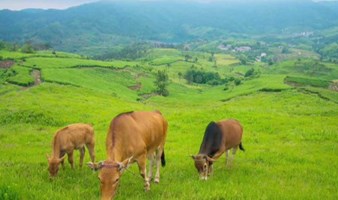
(109,24)
(288,112)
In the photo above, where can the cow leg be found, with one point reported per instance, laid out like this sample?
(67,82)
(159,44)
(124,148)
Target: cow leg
(151,165)
(158,166)
(233,155)
(82,153)
(63,160)
(70,159)
(91,149)
(142,161)
(227,157)
(210,169)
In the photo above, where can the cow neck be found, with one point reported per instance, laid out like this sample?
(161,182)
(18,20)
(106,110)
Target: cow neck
(115,153)
(56,148)
(115,146)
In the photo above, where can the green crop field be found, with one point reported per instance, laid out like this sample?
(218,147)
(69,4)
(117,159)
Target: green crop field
(290,130)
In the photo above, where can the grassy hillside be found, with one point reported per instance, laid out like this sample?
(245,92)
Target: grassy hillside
(290,126)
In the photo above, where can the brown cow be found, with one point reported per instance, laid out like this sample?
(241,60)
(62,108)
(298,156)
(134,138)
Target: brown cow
(132,137)
(218,138)
(74,136)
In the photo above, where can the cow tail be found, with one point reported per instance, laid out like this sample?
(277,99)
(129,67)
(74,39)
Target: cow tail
(163,159)
(165,128)
(241,146)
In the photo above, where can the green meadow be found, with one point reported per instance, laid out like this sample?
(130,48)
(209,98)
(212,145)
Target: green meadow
(289,115)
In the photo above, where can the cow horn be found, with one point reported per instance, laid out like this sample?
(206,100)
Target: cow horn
(210,159)
(124,164)
(62,158)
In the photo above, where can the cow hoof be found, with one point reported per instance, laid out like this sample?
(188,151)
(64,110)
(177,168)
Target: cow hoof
(157,180)
(147,186)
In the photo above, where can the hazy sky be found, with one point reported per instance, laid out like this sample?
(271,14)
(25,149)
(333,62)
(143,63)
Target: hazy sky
(58,4)
(62,4)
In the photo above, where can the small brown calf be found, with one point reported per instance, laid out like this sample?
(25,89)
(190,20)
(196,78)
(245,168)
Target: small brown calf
(74,136)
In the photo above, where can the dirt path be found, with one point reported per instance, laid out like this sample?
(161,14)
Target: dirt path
(37,77)
(5,64)
(136,87)
(334,86)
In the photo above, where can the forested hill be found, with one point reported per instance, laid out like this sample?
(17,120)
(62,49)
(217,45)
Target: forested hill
(108,23)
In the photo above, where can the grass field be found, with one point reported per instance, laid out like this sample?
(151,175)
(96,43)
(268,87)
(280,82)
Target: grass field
(290,132)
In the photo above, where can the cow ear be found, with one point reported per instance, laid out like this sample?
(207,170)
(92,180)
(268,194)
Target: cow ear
(91,165)
(95,166)
(124,164)
(193,157)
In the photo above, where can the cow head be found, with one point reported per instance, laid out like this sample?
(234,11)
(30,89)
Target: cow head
(203,165)
(53,165)
(109,176)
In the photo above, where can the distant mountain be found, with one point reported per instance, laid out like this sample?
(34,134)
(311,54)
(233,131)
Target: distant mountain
(106,24)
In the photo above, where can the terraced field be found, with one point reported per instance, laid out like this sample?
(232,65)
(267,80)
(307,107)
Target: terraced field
(288,112)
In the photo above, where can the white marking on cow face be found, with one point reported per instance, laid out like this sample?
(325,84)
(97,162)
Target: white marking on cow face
(202,166)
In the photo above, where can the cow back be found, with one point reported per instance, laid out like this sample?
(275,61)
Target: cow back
(133,133)
(74,136)
(212,140)
(232,132)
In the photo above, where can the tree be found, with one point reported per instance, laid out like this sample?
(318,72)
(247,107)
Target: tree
(27,48)
(202,77)
(2,45)
(237,81)
(215,64)
(285,50)
(187,58)
(180,75)
(161,83)
(243,59)
(330,51)
(250,72)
